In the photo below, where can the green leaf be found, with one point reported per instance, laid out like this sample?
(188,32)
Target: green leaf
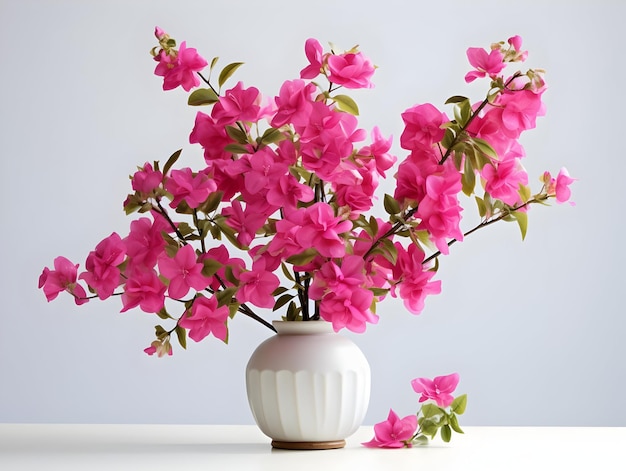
(468,179)
(456,99)
(347,104)
(482,208)
(237,134)
(454,423)
(524,192)
(236,149)
(292,312)
(212,202)
(462,112)
(390,252)
(227,72)
(459,404)
(391,205)
(181,333)
(213,62)
(286,272)
(431,410)
(303,258)
(484,147)
(202,96)
(280,302)
(160,332)
(163,314)
(420,440)
(225,296)
(446,433)
(210,266)
(428,427)
(171,161)
(522,221)
(271,136)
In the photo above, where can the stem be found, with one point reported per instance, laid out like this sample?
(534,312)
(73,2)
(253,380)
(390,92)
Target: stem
(195,221)
(394,230)
(303,297)
(163,213)
(487,223)
(205,80)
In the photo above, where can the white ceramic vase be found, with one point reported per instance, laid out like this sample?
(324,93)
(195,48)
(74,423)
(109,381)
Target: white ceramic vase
(308,387)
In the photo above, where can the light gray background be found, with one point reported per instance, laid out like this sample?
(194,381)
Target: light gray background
(535,329)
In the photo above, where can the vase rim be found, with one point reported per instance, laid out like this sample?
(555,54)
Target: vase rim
(303,327)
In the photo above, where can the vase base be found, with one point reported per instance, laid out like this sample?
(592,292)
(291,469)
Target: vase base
(328,445)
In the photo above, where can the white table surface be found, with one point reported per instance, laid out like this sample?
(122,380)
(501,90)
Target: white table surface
(230,447)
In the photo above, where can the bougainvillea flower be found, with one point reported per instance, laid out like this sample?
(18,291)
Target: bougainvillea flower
(62,278)
(103,274)
(485,63)
(184,272)
(144,289)
(179,69)
(562,190)
(314,53)
(257,285)
(422,126)
(146,179)
(439,389)
(351,70)
(348,309)
(193,188)
(393,432)
(206,318)
(503,180)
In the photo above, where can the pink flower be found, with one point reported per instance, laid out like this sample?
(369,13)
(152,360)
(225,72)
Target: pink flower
(146,180)
(211,137)
(516,43)
(237,104)
(103,274)
(313,50)
(143,289)
(351,70)
(145,243)
(257,285)
(379,151)
(414,279)
(179,68)
(160,348)
(503,180)
(322,230)
(183,271)
(393,432)
(563,181)
(439,389)
(294,103)
(184,185)
(348,309)
(62,278)
(519,109)
(485,64)
(206,318)
(338,279)
(244,221)
(422,126)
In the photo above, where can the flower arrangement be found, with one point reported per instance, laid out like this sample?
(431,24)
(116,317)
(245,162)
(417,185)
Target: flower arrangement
(278,217)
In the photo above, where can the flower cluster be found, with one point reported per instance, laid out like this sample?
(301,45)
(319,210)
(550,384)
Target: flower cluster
(438,415)
(277,217)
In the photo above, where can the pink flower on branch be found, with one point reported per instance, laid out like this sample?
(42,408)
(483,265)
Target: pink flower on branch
(183,271)
(179,68)
(193,188)
(206,318)
(485,63)
(62,278)
(257,285)
(314,53)
(103,274)
(562,190)
(351,70)
(393,432)
(143,289)
(439,389)
(422,126)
